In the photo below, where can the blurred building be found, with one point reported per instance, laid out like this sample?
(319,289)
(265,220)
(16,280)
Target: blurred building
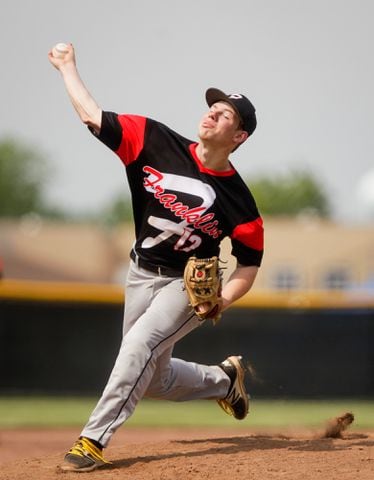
(301,253)
(310,253)
(34,249)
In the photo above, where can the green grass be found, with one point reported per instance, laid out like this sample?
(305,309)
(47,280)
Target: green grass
(63,412)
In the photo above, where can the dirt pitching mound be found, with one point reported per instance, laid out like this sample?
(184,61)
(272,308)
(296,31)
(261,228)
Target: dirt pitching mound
(196,455)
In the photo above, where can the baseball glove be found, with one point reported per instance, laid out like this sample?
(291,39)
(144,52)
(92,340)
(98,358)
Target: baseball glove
(203,282)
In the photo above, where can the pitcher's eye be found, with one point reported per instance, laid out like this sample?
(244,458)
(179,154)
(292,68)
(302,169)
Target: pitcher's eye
(228,115)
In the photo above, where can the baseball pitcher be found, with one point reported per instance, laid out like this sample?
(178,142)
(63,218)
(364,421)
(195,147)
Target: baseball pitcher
(186,196)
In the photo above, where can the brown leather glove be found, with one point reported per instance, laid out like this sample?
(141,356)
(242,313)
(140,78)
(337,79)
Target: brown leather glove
(203,282)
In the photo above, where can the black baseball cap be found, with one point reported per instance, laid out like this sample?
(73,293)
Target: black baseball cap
(240,103)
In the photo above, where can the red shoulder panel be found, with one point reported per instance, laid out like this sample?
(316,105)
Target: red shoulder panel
(133,128)
(251,234)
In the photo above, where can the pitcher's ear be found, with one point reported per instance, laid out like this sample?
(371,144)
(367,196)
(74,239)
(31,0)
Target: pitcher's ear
(241,136)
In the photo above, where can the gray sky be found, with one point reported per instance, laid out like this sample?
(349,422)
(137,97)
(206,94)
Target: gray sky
(306,65)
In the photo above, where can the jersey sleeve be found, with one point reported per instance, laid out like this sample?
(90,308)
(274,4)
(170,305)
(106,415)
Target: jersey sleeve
(124,134)
(247,241)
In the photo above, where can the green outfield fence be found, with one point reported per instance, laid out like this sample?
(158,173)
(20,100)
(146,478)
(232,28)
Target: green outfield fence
(60,338)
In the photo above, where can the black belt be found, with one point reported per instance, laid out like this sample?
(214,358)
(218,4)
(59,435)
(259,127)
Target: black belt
(165,271)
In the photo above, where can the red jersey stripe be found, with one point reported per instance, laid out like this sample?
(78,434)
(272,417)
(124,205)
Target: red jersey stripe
(133,128)
(203,169)
(251,234)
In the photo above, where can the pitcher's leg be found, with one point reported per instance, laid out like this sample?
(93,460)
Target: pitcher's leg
(179,381)
(153,333)
(136,303)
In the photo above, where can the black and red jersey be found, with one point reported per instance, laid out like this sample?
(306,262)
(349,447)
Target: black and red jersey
(180,207)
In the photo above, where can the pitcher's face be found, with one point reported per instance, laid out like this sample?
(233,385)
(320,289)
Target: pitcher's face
(220,125)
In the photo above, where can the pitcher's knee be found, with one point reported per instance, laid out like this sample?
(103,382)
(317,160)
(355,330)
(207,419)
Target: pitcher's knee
(160,384)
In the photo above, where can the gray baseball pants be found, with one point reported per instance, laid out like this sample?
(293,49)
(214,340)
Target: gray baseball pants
(157,315)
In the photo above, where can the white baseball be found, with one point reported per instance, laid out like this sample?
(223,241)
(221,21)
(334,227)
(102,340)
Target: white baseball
(59,50)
